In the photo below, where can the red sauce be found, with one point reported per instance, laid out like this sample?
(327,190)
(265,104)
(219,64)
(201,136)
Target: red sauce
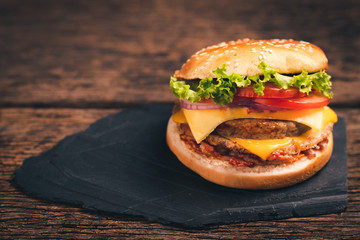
(240,163)
(310,153)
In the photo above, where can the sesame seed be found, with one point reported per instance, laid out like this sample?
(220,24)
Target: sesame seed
(267,50)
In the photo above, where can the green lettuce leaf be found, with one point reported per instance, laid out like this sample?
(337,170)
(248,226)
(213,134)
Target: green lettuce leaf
(223,88)
(183,89)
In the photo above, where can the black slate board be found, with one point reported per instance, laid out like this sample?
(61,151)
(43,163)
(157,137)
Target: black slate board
(121,164)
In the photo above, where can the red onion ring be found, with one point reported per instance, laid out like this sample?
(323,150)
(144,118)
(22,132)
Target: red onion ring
(186,104)
(254,105)
(199,105)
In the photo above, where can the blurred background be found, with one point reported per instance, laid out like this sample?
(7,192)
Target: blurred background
(117,53)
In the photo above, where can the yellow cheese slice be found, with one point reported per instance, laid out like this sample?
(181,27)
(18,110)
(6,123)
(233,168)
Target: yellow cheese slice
(263,148)
(329,116)
(179,117)
(203,122)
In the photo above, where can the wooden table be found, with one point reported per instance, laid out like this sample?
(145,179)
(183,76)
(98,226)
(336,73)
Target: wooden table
(66,64)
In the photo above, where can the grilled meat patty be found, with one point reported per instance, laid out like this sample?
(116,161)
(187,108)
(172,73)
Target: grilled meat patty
(261,129)
(218,142)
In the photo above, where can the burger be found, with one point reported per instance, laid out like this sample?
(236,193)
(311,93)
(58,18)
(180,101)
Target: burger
(253,114)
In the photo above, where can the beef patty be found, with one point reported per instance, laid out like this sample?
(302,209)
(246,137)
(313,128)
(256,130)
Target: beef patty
(261,128)
(218,142)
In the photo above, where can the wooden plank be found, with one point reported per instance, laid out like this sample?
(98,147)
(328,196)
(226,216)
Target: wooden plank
(121,53)
(27,132)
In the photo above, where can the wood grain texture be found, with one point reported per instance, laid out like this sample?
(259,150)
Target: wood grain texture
(69,55)
(27,132)
(120,53)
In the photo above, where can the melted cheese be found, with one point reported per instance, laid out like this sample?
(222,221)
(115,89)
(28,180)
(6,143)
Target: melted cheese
(203,122)
(264,148)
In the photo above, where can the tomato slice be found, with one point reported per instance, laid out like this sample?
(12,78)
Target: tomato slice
(313,100)
(270,91)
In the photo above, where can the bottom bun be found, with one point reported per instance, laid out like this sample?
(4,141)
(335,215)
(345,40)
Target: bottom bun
(259,177)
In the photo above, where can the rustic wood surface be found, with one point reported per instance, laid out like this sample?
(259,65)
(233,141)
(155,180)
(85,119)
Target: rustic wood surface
(65,64)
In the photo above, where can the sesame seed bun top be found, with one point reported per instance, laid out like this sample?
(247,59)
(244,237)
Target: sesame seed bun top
(243,57)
